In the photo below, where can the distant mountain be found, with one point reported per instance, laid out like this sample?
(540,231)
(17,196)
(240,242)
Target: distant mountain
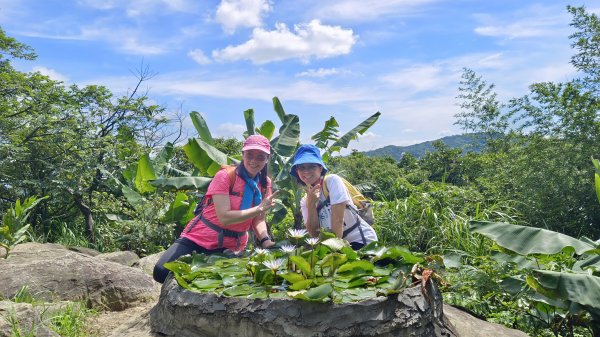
(467,142)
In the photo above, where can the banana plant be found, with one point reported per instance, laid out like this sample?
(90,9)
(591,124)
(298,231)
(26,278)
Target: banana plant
(329,133)
(14,226)
(572,289)
(208,160)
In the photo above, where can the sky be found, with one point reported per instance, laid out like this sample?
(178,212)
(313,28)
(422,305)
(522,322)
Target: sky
(343,58)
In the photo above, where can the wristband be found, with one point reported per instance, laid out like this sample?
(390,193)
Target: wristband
(263,240)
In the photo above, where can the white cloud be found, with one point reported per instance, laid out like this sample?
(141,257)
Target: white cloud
(198,56)
(367,10)
(322,72)
(126,40)
(230,130)
(232,14)
(53,74)
(135,8)
(535,21)
(417,78)
(307,41)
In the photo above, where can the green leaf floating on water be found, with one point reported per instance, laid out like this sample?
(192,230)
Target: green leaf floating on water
(330,272)
(317,294)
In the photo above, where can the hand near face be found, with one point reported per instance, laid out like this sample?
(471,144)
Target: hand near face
(268,202)
(312,194)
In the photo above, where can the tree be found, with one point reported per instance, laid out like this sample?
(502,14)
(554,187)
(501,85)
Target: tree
(547,137)
(56,140)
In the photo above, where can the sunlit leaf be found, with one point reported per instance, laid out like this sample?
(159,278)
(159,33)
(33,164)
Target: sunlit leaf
(206,284)
(529,240)
(364,266)
(300,285)
(279,109)
(201,127)
(301,263)
(249,118)
(238,290)
(267,129)
(292,277)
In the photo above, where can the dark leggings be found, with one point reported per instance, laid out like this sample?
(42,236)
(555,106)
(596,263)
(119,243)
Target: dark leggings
(180,247)
(357,245)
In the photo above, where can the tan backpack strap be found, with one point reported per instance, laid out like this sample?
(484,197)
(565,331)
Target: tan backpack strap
(325,191)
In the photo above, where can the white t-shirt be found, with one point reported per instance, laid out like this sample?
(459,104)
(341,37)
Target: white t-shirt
(339,194)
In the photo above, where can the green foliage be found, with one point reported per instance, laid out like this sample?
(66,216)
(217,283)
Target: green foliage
(14,226)
(59,140)
(322,271)
(597,177)
(68,320)
(541,142)
(551,282)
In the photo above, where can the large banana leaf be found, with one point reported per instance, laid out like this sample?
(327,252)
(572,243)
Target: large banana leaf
(178,210)
(530,240)
(145,172)
(580,288)
(162,158)
(267,129)
(590,262)
(597,177)
(249,117)
(328,133)
(205,157)
(343,141)
(182,183)
(201,127)
(279,109)
(289,135)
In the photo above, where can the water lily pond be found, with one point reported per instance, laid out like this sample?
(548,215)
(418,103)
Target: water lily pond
(306,269)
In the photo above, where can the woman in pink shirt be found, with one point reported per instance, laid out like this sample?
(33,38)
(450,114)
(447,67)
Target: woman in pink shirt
(229,210)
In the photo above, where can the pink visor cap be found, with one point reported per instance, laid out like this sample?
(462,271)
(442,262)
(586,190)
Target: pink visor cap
(257,142)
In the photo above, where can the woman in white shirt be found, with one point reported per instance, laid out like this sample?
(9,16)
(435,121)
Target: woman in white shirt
(335,213)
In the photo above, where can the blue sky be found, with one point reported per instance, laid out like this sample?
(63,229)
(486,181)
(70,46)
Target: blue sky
(322,58)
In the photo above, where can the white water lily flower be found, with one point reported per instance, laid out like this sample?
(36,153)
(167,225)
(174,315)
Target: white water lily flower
(312,241)
(288,248)
(274,264)
(335,243)
(261,251)
(297,233)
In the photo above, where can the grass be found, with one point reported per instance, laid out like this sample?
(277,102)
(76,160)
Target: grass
(66,320)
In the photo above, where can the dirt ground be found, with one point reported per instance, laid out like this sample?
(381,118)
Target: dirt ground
(104,323)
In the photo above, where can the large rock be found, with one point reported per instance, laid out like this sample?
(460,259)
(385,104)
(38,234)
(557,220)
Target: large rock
(147,263)
(468,326)
(51,272)
(183,313)
(126,258)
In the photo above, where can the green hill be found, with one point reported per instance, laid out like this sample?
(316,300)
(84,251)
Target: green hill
(467,142)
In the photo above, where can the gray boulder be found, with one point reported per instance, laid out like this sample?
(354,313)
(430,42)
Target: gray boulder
(146,264)
(85,250)
(183,313)
(469,326)
(53,273)
(126,258)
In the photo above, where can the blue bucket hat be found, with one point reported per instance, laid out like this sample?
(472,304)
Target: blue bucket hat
(307,154)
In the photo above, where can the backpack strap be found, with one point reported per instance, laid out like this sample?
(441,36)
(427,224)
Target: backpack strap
(324,186)
(231,171)
(327,202)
